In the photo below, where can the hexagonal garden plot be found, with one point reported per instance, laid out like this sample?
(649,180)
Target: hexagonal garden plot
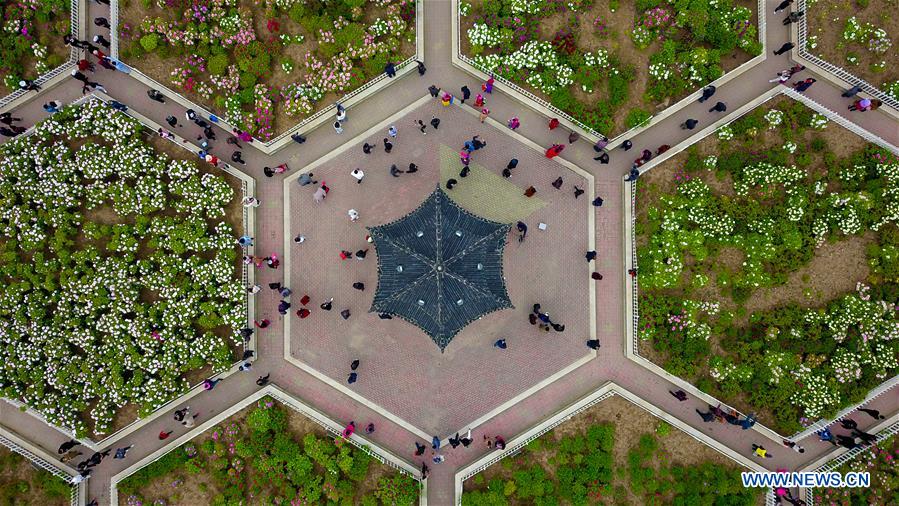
(401,370)
(611,65)
(768,266)
(121,271)
(265,65)
(613,452)
(267,453)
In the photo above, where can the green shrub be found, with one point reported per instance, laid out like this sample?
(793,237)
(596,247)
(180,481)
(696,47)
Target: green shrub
(247,80)
(637,117)
(297,12)
(149,42)
(218,64)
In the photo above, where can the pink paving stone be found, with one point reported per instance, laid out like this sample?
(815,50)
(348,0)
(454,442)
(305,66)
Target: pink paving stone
(402,370)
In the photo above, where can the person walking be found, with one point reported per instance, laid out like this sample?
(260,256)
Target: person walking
(435,122)
(861,105)
(156,96)
(719,107)
(487,87)
(101,22)
(761,452)
(690,124)
(633,175)
(514,123)
(354,214)
(793,17)
(484,113)
(479,100)
(163,435)
(388,146)
(553,123)
(341,113)
(421,68)
(793,446)
(121,452)
(99,39)
(707,93)
(78,76)
(263,380)
(338,127)
(500,343)
(68,445)
(237,157)
(554,150)
(53,106)
(873,413)
(784,48)
(358,175)
(209,384)
(390,69)
(782,77)
(783,5)
(392,131)
(801,86)
(851,92)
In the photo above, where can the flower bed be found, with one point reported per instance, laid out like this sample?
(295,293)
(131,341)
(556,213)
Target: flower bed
(31,39)
(22,483)
(267,454)
(768,265)
(265,64)
(858,36)
(609,65)
(880,461)
(613,453)
(118,269)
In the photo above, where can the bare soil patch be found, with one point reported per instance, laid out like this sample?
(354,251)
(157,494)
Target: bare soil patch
(827,20)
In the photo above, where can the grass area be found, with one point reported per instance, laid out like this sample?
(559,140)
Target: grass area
(21,483)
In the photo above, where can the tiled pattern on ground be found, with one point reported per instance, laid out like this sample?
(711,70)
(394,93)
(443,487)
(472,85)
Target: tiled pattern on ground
(401,369)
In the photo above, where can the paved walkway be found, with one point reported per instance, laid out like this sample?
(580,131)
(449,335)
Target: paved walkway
(610,363)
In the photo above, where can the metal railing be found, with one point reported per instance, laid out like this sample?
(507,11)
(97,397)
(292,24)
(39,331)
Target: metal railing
(836,70)
(517,447)
(330,429)
(73,57)
(836,463)
(43,464)
(843,122)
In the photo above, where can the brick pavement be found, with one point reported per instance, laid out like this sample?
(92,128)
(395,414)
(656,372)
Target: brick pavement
(610,362)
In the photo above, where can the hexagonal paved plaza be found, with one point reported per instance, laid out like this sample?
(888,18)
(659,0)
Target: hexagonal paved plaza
(401,370)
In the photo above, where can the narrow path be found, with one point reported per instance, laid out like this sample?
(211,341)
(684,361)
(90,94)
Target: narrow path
(610,364)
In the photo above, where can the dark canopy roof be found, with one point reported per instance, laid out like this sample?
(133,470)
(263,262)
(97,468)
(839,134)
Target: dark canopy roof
(440,267)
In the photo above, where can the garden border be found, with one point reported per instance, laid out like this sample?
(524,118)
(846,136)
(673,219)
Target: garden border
(605,391)
(317,119)
(329,425)
(631,285)
(834,73)
(78,10)
(840,456)
(544,108)
(45,461)
(248,185)
(339,386)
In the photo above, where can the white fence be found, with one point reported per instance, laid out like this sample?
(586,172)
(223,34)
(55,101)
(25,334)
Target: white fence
(20,446)
(836,70)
